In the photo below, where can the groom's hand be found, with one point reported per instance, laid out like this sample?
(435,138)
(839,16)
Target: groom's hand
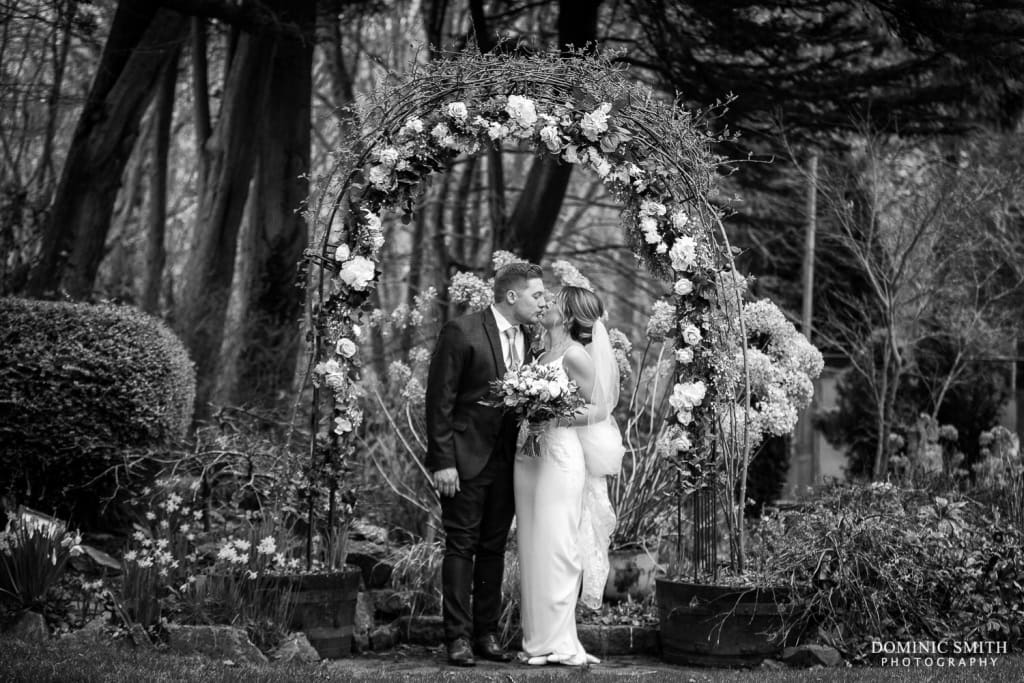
(446,481)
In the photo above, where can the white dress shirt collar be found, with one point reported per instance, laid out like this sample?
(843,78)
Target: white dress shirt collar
(503,323)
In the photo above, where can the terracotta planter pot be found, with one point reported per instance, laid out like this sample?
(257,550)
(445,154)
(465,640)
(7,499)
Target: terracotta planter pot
(631,574)
(718,625)
(324,608)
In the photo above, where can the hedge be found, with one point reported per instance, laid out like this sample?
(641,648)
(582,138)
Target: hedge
(81,385)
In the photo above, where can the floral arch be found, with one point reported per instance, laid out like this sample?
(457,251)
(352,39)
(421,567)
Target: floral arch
(651,154)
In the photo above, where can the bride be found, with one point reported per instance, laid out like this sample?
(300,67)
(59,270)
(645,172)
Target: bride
(564,519)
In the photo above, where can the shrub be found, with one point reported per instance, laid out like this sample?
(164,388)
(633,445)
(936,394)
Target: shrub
(79,386)
(883,563)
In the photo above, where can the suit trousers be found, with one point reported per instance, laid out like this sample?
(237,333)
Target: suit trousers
(476,522)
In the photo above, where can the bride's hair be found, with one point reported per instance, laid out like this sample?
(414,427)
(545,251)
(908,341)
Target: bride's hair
(581,309)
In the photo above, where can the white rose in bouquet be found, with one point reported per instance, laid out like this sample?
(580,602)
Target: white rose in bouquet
(554,389)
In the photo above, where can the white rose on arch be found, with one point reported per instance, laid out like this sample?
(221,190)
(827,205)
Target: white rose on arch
(345,347)
(687,395)
(357,272)
(691,335)
(457,111)
(684,356)
(683,286)
(522,111)
(342,253)
(388,156)
(679,219)
(683,253)
(596,122)
(342,425)
(550,137)
(412,126)
(373,221)
(380,177)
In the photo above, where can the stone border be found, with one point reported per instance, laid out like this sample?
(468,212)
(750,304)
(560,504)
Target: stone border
(600,640)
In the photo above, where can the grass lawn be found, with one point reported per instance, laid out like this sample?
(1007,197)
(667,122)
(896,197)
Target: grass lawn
(104,661)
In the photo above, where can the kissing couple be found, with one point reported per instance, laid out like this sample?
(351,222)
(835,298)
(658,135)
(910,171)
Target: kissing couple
(559,498)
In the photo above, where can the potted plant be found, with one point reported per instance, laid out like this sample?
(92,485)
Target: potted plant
(641,493)
(744,373)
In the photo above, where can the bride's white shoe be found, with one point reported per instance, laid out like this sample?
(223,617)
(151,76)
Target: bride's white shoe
(577,659)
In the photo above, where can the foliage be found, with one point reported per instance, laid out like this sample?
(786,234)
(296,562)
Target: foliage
(417,575)
(34,552)
(225,574)
(927,233)
(999,474)
(883,563)
(82,384)
(969,407)
(759,373)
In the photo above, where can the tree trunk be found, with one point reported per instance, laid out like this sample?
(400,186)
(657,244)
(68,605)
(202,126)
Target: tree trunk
(156,254)
(803,471)
(231,153)
(44,175)
(529,230)
(265,347)
(460,246)
(142,40)
(200,96)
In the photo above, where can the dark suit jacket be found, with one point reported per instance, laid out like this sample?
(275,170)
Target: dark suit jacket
(461,433)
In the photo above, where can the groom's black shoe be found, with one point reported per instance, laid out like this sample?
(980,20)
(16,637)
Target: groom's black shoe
(488,647)
(459,653)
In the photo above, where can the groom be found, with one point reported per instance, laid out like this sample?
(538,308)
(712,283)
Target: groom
(470,451)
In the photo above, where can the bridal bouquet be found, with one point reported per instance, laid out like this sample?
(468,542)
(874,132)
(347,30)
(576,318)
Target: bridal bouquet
(535,394)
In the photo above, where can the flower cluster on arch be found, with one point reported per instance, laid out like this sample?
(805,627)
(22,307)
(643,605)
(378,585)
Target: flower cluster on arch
(668,225)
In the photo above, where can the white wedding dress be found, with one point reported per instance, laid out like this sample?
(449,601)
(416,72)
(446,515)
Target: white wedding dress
(549,492)
(564,519)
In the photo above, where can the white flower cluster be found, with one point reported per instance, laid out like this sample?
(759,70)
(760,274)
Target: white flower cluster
(502,258)
(781,365)
(357,271)
(151,554)
(621,348)
(28,530)
(662,321)
(568,275)
(265,556)
(537,392)
(470,289)
(685,397)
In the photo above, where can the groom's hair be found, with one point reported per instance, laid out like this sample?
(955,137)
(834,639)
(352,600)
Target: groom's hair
(514,276)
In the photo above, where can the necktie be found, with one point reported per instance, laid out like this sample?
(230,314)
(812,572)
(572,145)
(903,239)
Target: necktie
(513,352)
